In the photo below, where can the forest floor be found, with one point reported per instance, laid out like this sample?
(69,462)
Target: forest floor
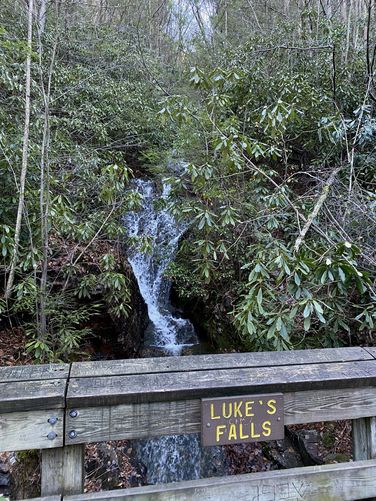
(114,465)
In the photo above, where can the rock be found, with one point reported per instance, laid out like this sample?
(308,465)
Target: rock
(306,444)
(132,328)
(283,453)
(214,462)
(4,468)
(4,479)
(153,351)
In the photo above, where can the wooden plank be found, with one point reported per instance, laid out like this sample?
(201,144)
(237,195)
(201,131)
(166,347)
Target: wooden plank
(33,372)
(364,438)
(146,420)
(48,498)
(371,351)
(134,421)
(336,482)
(112,390)
(329,405)
(221,361)
(62,471)
(32,395)
(28,430)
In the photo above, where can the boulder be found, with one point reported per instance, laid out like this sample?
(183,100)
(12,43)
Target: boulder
(306,444)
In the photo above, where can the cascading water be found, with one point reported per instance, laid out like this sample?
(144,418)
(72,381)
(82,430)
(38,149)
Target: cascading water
(166,330)
(171,458)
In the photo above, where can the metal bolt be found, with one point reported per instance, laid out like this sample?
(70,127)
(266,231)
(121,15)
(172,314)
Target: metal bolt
(278,419)
(52,435)
(208,425)
(73,413)
(72,434)
(52,420)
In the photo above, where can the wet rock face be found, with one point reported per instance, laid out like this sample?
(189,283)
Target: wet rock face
(117,338)
(131,330)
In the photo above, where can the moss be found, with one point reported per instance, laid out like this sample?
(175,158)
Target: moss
(328,439)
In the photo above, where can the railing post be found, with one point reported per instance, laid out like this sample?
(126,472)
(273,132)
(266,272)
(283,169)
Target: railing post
(62,471)
(364,438)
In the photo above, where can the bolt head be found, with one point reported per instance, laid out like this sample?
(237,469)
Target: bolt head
(52,435)
(73,413)
(72,434)
(53,420)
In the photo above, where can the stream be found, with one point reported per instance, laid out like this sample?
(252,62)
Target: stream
(180,457)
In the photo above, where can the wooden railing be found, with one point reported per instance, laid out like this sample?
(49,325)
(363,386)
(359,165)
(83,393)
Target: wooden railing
(60,408)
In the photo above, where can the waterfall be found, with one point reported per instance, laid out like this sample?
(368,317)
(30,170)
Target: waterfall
(166,330)
(171,458)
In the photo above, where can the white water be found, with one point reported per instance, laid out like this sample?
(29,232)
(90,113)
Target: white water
(166,330)
(178,457)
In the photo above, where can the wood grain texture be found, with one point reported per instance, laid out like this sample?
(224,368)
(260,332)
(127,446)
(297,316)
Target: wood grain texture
(371,351)
(32,395)
(221,361)
(184,416)
(364,441)
(62,471)
(364,438)
(112,390)
(48,498)
(337,482)
(33,372)
(28,430)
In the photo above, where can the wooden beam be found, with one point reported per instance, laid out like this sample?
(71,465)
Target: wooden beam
(48,498)
(31,430)
(371,351)
(221,361)
(144,420)
(32,395)
(62,471)
(33,372)
(113,390)
(335,482)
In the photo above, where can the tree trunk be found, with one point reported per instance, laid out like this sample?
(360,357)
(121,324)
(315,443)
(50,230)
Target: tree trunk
(42,16)
(45,178)
(25,157)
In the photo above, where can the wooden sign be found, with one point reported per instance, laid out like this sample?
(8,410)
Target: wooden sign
(248,418)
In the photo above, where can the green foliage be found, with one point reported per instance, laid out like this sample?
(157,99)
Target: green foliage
(102,114)
(262,117)
(289,294)
(65,331)
(261,135)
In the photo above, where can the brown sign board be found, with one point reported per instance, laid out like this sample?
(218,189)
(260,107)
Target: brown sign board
(247,418)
